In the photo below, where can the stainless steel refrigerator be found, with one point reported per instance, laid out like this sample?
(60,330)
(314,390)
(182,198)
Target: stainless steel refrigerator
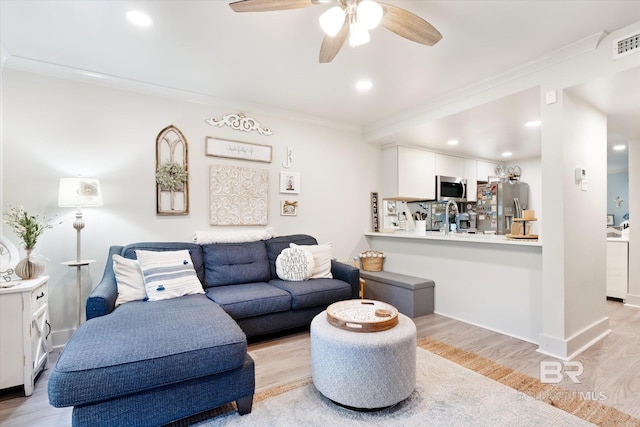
(496,207)
(512,199)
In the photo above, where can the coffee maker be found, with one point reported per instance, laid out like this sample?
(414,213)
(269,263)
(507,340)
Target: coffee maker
(463,221)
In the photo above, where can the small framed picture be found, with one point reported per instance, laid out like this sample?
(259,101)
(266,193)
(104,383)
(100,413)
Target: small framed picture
(290,182)
(288,208)
(610,219)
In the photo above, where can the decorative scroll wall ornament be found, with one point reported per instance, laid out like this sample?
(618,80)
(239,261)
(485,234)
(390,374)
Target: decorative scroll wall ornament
(172,172)
(238,195)
(239,122)
(289,161)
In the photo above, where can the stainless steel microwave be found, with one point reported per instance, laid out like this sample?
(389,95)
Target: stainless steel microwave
(451,188)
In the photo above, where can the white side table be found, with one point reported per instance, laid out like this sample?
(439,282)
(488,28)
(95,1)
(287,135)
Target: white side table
(25,332)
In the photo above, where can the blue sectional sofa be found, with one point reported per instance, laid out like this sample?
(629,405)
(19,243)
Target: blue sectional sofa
(149,363)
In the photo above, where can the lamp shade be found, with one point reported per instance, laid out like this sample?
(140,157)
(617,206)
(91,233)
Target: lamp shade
(331,21)
(79,191)
(370,14)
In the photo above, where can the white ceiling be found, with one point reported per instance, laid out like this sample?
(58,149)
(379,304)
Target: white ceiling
(270,59)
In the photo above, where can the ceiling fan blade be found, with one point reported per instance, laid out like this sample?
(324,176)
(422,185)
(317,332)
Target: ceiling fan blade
(410,26)
(332,45)
(268,5)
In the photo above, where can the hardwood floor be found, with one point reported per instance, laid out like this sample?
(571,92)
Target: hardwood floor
(611,366)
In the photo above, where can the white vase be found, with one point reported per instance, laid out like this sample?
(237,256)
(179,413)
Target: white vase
(29,267)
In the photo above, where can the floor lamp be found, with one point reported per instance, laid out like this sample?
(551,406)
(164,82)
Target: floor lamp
(79,192)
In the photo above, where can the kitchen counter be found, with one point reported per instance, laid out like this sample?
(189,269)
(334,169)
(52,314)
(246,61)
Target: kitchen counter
(458,237)
(486,280)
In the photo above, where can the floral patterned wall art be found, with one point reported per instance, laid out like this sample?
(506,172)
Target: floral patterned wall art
(238,195)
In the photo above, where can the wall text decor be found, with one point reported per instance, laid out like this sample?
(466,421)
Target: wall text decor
(238,195)
(218,147)
(172,172)
(239,122)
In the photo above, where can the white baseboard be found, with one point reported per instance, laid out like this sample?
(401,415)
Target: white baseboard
(569,348)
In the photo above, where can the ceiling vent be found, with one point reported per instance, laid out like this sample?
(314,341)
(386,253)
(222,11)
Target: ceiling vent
(626,45)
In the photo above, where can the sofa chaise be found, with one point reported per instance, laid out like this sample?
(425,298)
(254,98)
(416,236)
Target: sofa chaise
(149,363)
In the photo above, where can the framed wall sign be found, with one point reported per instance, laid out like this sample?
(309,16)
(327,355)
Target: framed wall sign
(288,208)
(290,182)
(218,147)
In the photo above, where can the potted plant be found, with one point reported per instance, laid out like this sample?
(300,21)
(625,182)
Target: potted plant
(28,228)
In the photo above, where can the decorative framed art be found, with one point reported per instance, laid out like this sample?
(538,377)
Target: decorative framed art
(172,172)
(290,182)
(288,208)
(230,149)
(610,219)
(238,195)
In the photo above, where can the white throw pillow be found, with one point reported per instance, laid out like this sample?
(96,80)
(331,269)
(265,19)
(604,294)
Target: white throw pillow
(168,274)
(321,259)
(294,264)
(129,280)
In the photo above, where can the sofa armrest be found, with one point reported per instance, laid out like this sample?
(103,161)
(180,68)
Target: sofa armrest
(347,274)
(102,300)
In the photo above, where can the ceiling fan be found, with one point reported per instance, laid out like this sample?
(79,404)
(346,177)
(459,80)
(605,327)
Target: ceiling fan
(352,19)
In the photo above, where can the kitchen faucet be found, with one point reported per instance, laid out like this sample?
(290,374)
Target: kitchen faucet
(447,226)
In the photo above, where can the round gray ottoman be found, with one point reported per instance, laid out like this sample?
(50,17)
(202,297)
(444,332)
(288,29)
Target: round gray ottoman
(364,370)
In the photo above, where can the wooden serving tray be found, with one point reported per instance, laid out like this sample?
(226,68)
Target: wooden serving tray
(522,236)
(362,315)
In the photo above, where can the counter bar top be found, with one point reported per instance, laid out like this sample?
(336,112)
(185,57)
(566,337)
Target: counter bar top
(457,237)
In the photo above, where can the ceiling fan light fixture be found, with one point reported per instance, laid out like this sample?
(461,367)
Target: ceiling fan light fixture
(358,34)
(369,14)
(331,21)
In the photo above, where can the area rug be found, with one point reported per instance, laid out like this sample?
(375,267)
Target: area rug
(446,394)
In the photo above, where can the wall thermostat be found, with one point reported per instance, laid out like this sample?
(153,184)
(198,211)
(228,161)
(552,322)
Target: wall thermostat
(581,178)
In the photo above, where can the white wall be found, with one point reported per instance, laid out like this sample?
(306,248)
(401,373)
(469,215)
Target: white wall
(633,298)
(56,128)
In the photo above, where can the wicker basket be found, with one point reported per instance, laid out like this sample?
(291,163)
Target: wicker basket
(371,260)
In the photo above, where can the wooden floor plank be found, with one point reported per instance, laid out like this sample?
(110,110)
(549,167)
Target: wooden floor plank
(611,366)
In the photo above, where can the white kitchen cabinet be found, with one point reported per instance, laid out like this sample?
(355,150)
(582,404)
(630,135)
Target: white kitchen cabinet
(470,173)
(617,268)
(449,165)
(485,170)
(24,332)
(408,173)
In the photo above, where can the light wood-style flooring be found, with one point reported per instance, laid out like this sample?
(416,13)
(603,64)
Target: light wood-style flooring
(611,366)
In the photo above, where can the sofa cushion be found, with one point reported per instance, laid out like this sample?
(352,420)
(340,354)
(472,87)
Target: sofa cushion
(277,244)
(233,263)
(314,292)
(321,259)
(250,299)
(195,251)
(143,345)
(128,279)
(168,274)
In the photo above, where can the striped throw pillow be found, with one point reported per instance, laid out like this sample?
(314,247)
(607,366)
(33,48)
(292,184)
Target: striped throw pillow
(168,274)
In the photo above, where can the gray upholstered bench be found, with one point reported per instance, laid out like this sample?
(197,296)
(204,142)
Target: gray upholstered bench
(412,296)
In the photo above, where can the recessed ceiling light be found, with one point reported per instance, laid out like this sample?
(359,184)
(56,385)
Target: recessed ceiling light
(138,18)
(453,142)
(619,147)
(507,154)
(533,123)
(364,85)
